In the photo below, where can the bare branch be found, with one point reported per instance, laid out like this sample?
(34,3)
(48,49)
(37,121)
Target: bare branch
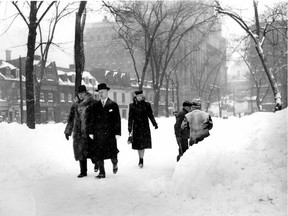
(20,13)
(47,9)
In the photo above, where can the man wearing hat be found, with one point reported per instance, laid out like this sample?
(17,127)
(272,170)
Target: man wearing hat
(199,123)
(76,124)
(182,135)
(106,127)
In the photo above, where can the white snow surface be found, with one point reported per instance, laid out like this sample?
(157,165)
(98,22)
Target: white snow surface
(239,170)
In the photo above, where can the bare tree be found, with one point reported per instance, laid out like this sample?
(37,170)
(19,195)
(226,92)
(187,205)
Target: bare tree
(138,23)
(258,37)
(32,22)
(157,29)
(78,44)
(44,45)
(183,18)
(275,45)
(257,77)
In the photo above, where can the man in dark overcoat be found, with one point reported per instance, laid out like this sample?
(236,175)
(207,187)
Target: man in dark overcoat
(106,128)
(76,124)
(140,112)
(182,135)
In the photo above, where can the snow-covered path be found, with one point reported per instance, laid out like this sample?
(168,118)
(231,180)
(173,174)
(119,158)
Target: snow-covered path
(132,191)
(67,195)
(241,169)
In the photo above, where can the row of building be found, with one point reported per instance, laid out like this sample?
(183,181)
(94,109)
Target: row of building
(58,87)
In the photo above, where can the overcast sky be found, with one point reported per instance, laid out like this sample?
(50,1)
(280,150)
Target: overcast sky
(16,37)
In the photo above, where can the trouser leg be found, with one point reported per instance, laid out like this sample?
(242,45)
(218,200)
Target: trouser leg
(114,160)
(184,145)
(101,166)
(83,166)
(115,164)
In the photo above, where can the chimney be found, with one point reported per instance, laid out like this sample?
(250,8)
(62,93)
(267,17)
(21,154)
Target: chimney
(8,55)
(72,66)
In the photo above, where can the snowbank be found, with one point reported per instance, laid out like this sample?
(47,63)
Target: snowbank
(242,163)
(240,169)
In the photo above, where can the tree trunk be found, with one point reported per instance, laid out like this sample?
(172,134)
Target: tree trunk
(166,99)
(156,103)
(177,96)
(79,45)
(30,105)
(273,83)
(37,102)
(21,90)
(258,98)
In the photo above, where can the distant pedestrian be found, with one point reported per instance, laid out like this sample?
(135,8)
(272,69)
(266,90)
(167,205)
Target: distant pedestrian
(199,123)
(76,124)
(138,125)
(182,135)
(106,128)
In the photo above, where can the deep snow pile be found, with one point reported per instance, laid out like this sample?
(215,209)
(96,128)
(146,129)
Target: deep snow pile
(242,163)
(241,169)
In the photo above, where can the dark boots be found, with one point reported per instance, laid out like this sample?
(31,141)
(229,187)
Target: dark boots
(140,162)
(83,168)
(102,170)
(115,165)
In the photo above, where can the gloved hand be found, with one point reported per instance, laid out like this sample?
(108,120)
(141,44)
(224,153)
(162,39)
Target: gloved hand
(156,126)
(67,136)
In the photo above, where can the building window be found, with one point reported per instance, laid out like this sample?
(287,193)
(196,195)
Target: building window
(115,96)
(73,78)
(93,81)
(62,97)
(150,97)
(17,74)
(8,72)
(69,97)
(50,97)
(123,97)
(124,113)
(86,80)
(42,99)
(50,114)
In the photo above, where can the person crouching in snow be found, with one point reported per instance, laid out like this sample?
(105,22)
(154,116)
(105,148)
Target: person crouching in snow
(199,123)
(182,135)
(76,124)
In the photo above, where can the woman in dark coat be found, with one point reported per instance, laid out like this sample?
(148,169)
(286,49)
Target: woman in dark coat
(138,124)
(76,124)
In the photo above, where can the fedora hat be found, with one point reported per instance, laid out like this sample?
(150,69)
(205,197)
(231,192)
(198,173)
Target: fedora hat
(187,103)
(102,86)
(138,92)
(81,88)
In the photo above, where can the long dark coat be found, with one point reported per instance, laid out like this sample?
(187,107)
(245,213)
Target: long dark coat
(105,125)
(76,124)
(138,124)
(179,132)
